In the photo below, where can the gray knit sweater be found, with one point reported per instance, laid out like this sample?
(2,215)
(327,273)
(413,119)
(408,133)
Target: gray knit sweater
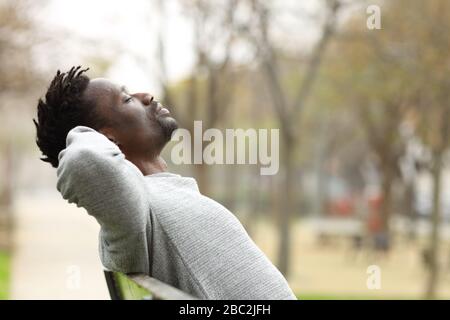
(161,225)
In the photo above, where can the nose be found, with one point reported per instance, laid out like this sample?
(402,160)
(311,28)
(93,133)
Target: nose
(146,98)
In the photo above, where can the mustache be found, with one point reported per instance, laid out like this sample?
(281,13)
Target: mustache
(155,107)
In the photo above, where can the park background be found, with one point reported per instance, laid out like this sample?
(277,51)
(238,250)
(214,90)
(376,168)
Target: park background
(363,114)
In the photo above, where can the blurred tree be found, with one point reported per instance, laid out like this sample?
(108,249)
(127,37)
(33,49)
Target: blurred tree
(399,76)
(429,43)
(287,109)
(17,75)
(14,45)
(376,66)
(18,80)
(210,88)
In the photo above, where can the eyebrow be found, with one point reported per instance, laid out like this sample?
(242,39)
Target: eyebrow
(124,89)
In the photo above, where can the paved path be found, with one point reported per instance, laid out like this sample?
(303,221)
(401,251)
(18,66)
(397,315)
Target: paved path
(55,251)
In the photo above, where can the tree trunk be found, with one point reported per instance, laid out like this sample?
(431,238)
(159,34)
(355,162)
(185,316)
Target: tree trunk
(410,210)
(6,189)
(202,175)
(287,206)
(433,274)
(6,198)
(254,207)
(231,183)
(321,176)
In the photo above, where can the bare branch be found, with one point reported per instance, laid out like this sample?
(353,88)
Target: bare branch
(317,56)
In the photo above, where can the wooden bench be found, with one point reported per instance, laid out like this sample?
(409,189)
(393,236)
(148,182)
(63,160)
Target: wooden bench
(141,287)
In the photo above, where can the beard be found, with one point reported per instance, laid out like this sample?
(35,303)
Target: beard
(168,126)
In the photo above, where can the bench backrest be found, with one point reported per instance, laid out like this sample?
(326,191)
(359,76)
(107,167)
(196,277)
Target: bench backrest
(141,287)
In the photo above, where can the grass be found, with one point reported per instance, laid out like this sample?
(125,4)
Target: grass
(321,296)
(4,275)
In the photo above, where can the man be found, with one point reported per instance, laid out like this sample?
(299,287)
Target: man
(106,145)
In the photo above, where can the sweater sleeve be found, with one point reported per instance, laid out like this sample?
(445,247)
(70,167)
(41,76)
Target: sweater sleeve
(94,174)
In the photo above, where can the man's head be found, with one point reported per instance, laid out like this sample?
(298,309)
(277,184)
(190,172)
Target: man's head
(137,123)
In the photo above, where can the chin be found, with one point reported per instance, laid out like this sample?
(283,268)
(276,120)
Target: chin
(168,124)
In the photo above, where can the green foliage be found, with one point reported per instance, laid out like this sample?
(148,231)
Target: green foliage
(4,275)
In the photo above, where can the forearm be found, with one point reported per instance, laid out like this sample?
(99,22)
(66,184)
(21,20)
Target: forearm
(94,174)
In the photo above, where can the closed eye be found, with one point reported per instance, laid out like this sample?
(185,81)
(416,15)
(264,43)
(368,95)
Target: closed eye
(130,98)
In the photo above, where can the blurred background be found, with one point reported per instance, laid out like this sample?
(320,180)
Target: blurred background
(360,207)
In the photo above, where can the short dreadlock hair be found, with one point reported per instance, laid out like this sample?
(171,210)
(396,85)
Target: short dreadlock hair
(63,109)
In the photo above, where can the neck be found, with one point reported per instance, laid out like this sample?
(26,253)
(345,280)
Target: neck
(152,166)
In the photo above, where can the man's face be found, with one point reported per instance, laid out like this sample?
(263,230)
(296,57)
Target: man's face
(139,124)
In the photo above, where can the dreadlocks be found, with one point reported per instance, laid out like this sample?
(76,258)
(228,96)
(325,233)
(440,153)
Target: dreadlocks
(62,110)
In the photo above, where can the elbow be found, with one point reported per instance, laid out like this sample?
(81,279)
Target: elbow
(75,159)
(74,169)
